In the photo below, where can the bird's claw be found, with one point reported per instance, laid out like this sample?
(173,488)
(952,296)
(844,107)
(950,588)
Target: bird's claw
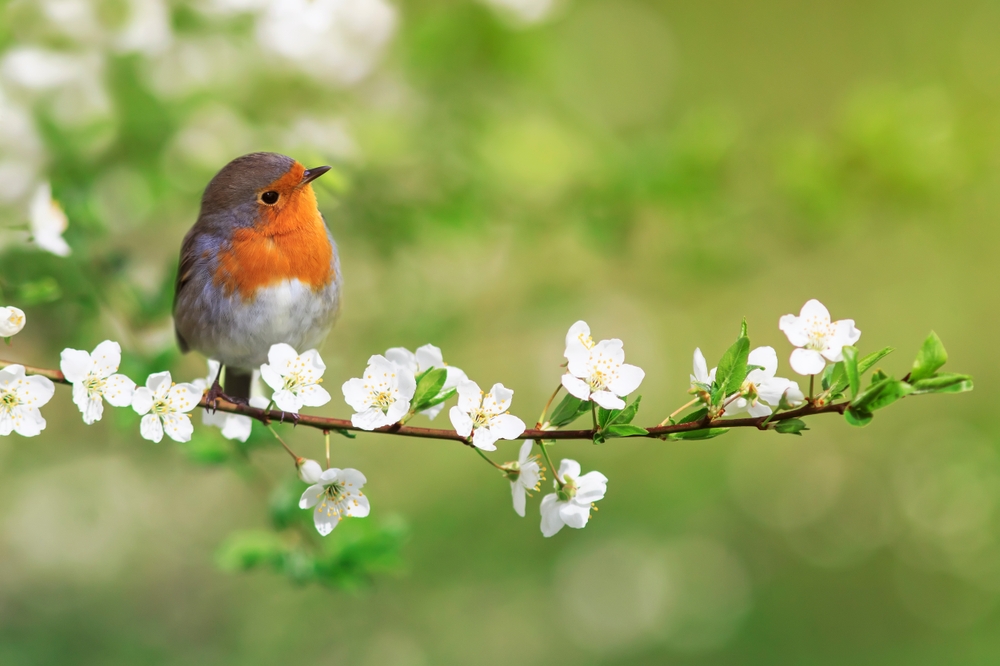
(293,416)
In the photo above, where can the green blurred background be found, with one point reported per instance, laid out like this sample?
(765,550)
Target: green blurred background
(502,169)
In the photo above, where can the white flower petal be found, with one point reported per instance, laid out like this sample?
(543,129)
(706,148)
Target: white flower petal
(758,409)
(577,337)
(404,358)
(359,507)
(118,390)
(106,357)
(93,410)
(313,362)
(571,467)
(353,478)
(406,383)
(75,364)
(815,311)
(591,487)
(287,401)
(369,419)
(502,396)
(518,495)
(529,476)
(237,426)
(765,357)
(310,472)
(628,380)
(576,387)
(844,333)
(700,368)
(151,428)
(12,320)
(460,421)
(551,520)
(428,357)
(311,495)
(159,384)
(525,452)
(183,397)
(142,400)
(313,396)
(279,357)
(574,515)
(485,439)
(807,362)
(397,410)
(324,523)
(470,397)
(506,426)
(178,427)
(272,377)
(794,329)
(607,400)
(355,394)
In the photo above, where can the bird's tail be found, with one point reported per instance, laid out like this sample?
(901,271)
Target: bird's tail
(238,383)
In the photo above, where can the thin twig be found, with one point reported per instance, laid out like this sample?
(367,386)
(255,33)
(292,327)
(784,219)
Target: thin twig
(322,423)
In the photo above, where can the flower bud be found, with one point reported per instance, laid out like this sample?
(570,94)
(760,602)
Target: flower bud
(11,321)
(309,470)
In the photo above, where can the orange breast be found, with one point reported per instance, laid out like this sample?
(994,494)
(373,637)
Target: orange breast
(290,243)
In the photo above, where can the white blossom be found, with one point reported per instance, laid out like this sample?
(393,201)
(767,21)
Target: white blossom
(233,426)
(702,379)
(485,416)
(335,495)
(294,378)
(598,372)
(20,399)
(426,358)
(94,379)
(48,222)
(165,406)
(817,337)
(570,504)
(309,470)
(333,40)
(761,388)
(524,475)
(12,320)
(382,397)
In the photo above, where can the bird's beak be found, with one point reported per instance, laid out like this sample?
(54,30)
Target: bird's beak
(312,174)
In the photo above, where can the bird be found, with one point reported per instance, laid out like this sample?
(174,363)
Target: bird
(259,267)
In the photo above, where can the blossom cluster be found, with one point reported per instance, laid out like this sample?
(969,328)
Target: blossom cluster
(400,384)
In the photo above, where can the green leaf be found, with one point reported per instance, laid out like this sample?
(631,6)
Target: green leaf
(599,437)
(440,398)
(344,433)
(850,366)
(696,415)
(881,394)
(947,382)
(570,409)
(627,415)
(625,430)
(249,549)
(878,376)
(743,328)
(732,370)
(868,361)
(606,416)
(930,357)
(791,427)
(37,292)
(707,433)
(857,418)
(828,375)
(428,387)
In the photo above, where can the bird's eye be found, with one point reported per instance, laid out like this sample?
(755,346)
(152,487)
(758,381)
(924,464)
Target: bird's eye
(270,197)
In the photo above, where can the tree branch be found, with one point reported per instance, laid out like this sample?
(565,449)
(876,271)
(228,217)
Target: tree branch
(327,424)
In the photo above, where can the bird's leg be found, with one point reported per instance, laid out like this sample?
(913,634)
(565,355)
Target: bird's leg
(215,392)
(294,416)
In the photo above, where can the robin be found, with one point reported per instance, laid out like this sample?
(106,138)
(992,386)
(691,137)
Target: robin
(259,267)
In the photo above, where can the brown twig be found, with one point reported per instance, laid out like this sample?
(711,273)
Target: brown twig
(327,424)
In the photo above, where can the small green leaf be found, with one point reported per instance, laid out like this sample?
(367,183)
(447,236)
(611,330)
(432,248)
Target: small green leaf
(707,433)
(440,398)
(743,328)
(791,427)
(732,370)
(878,376)
(625,430)
(7,340)
(850,365)
(868,361)
(828,380)
(606,416)
(627,415)
(599,437)
(37,292)
(858,418)
(943,383)
(428,387)
(569,410)
(881,394)
(344,433)
(930,357)
(696,415)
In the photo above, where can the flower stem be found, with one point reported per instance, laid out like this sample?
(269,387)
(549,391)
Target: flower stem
(545,452)
(487,458)
(545,411)
(593,413)
(812,380)
(278,437)
(677,411)
(327,434)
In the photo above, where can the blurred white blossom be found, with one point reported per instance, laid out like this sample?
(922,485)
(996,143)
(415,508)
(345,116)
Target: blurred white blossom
(524,12)
(164,406)
(334,40)
(570,504)
(20,399)
(48,222)
(382,397)
(12,320)
(819,340)
(294,378)
(94,379)
(337,494)
(485,416)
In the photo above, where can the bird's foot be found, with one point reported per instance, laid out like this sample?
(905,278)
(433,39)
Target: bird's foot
(213,394)
(292,416)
